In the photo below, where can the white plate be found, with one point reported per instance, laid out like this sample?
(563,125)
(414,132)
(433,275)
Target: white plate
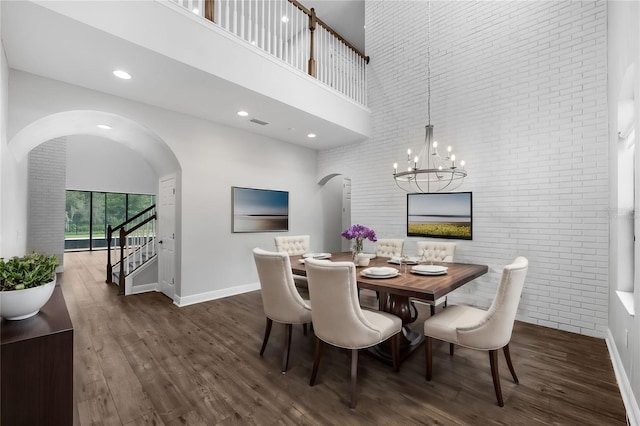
(429,273)
(364,274)
(432,269)
(380,271)
(317,255)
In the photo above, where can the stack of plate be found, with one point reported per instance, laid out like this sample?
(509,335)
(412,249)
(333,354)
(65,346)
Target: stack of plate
(407,260)
(429,270)
(380,272)
(317,255)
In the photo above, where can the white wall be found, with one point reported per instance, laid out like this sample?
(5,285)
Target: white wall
(623,45)
(519,90)
(46,226)
(99,164)
(13,180)
(213,158)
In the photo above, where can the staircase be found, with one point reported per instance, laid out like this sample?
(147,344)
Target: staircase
(134,243)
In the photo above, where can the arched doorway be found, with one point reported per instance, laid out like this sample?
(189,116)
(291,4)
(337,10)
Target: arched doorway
(336,201)
(114,128)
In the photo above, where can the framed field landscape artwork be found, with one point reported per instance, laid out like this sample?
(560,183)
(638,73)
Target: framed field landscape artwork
(260,210)
(445,215)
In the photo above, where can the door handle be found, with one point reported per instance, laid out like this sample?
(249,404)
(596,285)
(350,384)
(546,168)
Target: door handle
(160,242)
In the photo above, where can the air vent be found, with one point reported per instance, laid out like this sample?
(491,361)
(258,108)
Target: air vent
(260,122)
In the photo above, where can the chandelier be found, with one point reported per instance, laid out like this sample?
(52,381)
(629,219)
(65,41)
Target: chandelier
(429,171)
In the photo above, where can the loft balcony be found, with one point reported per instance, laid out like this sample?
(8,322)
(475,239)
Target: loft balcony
(230,55)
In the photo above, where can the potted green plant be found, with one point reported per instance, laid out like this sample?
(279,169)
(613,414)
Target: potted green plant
(26,284)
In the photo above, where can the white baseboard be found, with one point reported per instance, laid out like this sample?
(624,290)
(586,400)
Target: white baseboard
(144,288)
(217,294)
(629,400)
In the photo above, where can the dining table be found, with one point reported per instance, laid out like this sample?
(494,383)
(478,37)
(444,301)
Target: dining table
(396,293)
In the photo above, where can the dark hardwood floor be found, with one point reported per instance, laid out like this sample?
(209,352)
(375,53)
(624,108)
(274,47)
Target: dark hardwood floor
(140,360)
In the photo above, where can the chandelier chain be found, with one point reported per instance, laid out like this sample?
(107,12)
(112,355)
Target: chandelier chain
(429,171)
(429,62)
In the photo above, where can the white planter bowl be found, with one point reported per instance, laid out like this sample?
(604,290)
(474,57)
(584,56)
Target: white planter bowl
(22,304)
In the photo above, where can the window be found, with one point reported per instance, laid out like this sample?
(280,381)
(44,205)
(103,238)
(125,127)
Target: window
(90,213)
(627,200)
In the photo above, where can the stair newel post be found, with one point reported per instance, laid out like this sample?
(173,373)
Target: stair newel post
(312,29)
(109,266)
(209,11)
(123,242)
(153,234)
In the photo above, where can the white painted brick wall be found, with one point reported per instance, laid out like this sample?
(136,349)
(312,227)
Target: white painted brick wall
(519,90)
(47,177)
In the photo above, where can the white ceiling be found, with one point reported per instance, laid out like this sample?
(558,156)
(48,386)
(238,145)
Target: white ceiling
(42,42)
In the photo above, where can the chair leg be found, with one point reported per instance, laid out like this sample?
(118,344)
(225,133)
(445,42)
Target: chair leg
(354,376)
(316,361)
(304,328)
(451,348)
(395,351)
(267,332)
(287,347)
(493,359)
(429,353)
(507,355)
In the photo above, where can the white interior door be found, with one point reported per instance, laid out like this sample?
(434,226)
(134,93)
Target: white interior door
(167,236)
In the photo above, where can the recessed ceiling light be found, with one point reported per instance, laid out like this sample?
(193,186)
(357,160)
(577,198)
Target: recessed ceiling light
(195,10)
(122,74)
(243,113)
(285,19)
(104,126)
(311,135)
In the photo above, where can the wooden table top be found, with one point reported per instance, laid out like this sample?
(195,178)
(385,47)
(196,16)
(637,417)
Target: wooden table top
(423,287)
(52,318)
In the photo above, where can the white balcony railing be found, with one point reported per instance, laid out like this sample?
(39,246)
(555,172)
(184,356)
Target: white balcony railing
(294,34)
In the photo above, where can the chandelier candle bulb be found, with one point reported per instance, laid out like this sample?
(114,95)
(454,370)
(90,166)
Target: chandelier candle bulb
(395,168)
(436,173)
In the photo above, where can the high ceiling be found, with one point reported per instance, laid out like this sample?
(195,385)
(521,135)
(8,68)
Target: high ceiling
(42,42)
(346,17)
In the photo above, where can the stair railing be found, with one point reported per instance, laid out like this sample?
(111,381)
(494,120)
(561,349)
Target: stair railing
(135,243)
(291,32)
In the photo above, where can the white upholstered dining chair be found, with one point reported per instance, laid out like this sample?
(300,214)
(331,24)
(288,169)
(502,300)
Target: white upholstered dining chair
(479,329)
(389,247)
(338,319)
(280,298)
(294,245)
(436,251)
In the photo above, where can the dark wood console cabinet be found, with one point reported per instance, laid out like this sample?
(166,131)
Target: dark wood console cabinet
(36,367)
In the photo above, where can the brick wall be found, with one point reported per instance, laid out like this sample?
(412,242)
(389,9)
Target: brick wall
(47,175)
(519,90)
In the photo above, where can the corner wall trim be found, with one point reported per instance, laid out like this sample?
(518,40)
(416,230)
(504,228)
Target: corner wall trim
(217,294)
(144,288)
(629,400)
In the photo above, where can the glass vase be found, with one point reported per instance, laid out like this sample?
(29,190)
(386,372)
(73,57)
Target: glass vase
(356,250)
